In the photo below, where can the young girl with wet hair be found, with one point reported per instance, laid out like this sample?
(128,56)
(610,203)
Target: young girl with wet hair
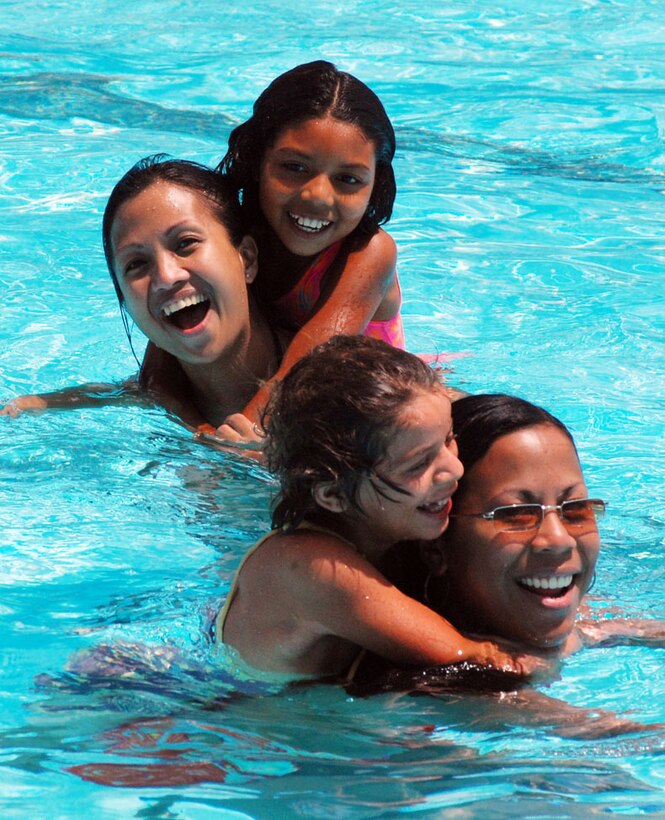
(360,438)
(313,169)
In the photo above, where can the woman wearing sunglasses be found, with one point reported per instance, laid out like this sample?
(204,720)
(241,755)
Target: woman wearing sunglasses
(514,564)
(521,548)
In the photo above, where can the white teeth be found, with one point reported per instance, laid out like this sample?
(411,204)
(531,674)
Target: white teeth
(307,224)
(553,582)
(435,506)
(179,304)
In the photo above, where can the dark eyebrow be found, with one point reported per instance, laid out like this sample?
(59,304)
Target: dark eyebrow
(184,223)
(296,152)
(137,247)
(531,498)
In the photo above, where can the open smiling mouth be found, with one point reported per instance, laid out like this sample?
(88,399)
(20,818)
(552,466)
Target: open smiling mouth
(309,225)
(187,312)
(554,586)
(435,506)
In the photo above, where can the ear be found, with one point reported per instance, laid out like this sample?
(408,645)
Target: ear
(328,496)
(434,557)
(250,257)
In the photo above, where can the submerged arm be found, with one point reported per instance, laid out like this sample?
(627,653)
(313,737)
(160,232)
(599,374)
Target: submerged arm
(498,698)
(84,395)
(531,707)
(623,631)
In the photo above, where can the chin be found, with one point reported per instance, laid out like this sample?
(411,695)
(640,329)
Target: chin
(551,641)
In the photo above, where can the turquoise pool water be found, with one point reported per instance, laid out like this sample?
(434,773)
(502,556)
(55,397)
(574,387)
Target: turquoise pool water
(529,220)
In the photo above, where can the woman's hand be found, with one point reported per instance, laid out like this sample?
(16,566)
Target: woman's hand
(18,405)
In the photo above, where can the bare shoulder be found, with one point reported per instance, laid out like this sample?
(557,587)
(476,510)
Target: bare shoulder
(383,242)
(304,555)
(158,368)
(380,250)
(320,575)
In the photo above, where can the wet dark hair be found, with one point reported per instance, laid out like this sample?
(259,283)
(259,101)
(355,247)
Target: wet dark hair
(312,91)
(332,417)
(186,174)
(479,420)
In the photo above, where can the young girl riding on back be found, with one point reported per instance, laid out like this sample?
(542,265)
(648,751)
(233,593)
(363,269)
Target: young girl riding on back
(312,167)
(360,437)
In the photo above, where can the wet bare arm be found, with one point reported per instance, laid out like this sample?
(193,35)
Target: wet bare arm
(92,394)
(623,632)
(366,283)
(307,601)
(537,709)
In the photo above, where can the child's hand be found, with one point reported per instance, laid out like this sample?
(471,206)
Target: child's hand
(16,406)
(236,435)
(240,430)
(512,659)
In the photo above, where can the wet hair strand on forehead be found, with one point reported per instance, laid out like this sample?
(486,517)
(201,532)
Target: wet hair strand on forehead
(332,417)
(190,175)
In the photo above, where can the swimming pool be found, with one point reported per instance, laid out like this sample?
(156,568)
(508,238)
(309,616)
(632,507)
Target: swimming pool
(529,218)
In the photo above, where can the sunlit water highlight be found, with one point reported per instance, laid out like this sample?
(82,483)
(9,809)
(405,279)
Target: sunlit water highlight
(529,219)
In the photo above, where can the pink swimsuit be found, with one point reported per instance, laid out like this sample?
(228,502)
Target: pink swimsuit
(296,306)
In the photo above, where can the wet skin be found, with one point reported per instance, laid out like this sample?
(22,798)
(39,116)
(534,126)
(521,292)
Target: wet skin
(498,583)
(315,183)
(184,282)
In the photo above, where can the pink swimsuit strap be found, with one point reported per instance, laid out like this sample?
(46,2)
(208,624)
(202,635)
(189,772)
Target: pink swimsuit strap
(296,306)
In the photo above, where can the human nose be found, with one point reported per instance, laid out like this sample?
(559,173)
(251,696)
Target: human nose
(552,534)
(448,467)
(318,189)
(167,271)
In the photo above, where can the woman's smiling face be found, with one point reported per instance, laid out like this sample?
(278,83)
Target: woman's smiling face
(524,586)
(183,281)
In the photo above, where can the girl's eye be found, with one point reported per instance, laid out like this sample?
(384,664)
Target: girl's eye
(350,179)
(293,167)
(451,439)
(419,466)
(186,243)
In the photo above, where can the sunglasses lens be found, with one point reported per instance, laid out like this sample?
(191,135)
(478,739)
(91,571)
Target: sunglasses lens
(584,511)
(517,518)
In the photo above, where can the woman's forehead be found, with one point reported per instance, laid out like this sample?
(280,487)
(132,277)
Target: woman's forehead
(160,205)
(542,456)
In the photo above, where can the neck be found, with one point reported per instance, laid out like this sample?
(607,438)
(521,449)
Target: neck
(280,269)
(355,529)
(225,386)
